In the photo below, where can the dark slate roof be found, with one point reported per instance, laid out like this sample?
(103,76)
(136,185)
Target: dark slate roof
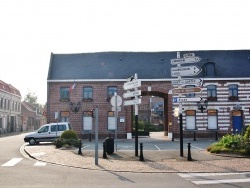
(148,65)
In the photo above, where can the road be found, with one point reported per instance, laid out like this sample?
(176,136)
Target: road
(17,170)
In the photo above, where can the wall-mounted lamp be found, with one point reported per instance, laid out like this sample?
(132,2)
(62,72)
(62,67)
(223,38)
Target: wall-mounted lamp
(202,105)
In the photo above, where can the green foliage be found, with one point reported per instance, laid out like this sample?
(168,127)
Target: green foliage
(59,142)
(247,134)
(69,134)
(231,143)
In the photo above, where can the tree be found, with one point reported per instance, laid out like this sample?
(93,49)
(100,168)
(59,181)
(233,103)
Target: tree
(31,98)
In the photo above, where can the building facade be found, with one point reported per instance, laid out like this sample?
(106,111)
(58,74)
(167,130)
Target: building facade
(10,108)
(79,83)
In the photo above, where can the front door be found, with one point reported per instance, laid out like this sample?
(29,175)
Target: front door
(237,121)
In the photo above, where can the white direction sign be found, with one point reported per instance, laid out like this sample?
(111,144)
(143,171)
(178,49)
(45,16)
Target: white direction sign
(185,71)
(186,99)
(132,102)
(187,82)
(185,60)
(118,99)
(132,84)
(132,94)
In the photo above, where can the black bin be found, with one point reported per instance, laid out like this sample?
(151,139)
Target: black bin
(109,143)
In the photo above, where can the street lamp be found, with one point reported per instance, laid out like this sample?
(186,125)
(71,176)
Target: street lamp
(202,105)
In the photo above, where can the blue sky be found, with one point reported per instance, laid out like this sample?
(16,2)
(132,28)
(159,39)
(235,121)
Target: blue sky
(32,29)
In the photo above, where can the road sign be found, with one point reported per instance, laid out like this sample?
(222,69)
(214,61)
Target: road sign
(185,71)
(187,99)
(118,98)
(132,94)
(132,102)
(187,82)
(185,60)
(186,90)
(132,84)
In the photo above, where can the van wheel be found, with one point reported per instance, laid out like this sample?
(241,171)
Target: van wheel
(32,141)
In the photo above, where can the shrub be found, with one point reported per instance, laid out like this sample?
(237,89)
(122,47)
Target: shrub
(59,142)
(69,134)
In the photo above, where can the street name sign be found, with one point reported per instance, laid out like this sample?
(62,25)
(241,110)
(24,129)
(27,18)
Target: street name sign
(131,85)
(185,71)
(185,60)
(132,102)
(187,82)
(186,99)
(132,94)
(186,90)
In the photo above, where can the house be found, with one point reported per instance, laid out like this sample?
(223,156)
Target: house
(79,83)
(32,117)
(10,108)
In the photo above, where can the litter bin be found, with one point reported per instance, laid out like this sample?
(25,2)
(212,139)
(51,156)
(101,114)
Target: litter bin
(109,143)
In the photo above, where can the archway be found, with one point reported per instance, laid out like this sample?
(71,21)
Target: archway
(165,104)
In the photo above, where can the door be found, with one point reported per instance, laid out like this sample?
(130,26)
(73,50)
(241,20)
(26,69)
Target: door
(237,121)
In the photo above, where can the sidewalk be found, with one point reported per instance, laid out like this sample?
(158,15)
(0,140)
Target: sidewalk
(163,161)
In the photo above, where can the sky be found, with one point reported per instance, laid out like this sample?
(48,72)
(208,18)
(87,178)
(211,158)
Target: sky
(30,30)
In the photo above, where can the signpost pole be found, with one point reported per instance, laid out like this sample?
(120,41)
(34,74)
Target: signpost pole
(116,122)
(136,123)
(96,136)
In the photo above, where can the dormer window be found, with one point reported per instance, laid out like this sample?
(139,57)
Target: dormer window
(209,69)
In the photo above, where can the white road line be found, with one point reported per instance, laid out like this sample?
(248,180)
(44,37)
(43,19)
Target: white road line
(193,175)
(196,147)
(221,181)
(157,147)
(37,154)
(39,163)
(12,162)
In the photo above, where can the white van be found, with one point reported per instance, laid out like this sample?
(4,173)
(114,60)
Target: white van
(47,133)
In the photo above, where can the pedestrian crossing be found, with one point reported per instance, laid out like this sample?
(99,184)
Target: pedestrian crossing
(14,161)
(216,178)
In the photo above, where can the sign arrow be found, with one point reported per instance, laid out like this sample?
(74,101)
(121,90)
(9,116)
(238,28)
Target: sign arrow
(185,71)
(186,99)
(186,90)
(187,82)
(185,60)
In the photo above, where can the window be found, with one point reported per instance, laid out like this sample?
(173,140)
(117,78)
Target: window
(64,94)
(5,104)
(1,123)
(87,120)
(212,119)
(233,91)
(59,128)
(190,94)
(1,103)
(190,120)
(64,116)
(209,69)
(111,92)
(87,94)
(111,121)
(211,93)
(44,129)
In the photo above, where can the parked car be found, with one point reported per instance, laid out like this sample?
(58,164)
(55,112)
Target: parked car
(47,133)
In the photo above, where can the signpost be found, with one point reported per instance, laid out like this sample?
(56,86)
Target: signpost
(185,71)
(185,60)
(133,83)
(187,82)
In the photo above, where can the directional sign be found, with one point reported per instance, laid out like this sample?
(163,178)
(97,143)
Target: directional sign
(186,90)
(187,99)
(132,102)
(132,84)
(187,82)
(132,94)
(185,60)
(185,71)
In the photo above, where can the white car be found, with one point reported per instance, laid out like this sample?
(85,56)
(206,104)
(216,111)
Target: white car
(47,133)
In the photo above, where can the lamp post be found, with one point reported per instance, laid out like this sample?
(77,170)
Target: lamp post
(202,105)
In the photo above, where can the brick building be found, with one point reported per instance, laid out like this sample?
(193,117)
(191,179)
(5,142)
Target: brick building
(77,83)
(10,108)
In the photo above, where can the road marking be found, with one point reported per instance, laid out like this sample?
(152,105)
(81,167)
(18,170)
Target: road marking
(192,175)
(39,163)
(196,147)
(221,181)
(157,147)
(37,154)
(12,162)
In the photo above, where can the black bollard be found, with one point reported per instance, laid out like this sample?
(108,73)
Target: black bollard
(173,137)
(189,158)
(104,156)
(216,135)
(141,152)
(194,136)
(89,137)
(80,147)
